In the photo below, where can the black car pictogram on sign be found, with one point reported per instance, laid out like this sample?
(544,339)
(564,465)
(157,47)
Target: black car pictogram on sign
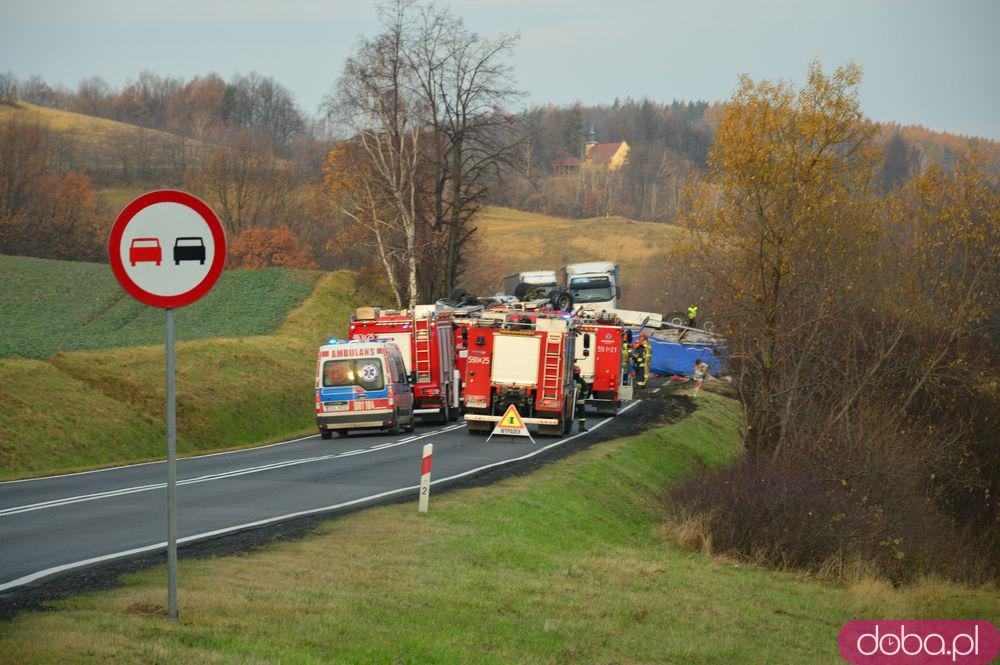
(189,249)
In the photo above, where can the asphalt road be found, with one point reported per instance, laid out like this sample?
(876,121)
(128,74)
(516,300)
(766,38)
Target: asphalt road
(56,525)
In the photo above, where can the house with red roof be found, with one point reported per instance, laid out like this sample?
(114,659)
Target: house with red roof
(607,156)
(596,156)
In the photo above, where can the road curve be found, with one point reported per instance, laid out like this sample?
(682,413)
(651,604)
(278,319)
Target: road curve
(57,524)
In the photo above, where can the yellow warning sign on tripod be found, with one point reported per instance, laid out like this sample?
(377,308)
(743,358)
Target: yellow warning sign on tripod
(511,425)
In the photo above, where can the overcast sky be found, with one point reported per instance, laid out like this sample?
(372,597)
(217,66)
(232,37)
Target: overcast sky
(930,63)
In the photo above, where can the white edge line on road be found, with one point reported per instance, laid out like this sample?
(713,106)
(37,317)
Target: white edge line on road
(222,475)
(27,579)
(158,461)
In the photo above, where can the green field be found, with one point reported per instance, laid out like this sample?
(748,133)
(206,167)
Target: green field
(568,564)
(80,409)
(48,306)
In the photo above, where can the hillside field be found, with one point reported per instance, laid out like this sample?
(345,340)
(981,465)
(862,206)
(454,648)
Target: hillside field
(514,240)
(48,306)
(568,564)
(80,409)
(99,145)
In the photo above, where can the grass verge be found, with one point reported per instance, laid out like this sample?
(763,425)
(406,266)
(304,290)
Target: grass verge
(567,564)
(91,408)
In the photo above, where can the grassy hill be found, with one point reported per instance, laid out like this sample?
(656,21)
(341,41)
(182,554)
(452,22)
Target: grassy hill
(50,306)
(513,240)
(80,409)
(97,145)
(568,564)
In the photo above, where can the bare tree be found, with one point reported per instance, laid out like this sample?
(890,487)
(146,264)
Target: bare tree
(375,103)
(466,83)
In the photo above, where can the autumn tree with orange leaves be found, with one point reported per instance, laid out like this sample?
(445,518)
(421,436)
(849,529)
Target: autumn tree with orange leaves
(863,334)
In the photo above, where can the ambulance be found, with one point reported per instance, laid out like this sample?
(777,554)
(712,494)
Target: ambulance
(362,385)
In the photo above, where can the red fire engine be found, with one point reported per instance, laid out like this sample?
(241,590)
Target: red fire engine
(427,341)
(525,358)
(601,355)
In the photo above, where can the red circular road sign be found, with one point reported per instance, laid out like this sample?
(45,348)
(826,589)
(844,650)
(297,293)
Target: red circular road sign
(167,248)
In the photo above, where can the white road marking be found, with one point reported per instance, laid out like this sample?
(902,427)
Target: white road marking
(32,577)
(657,390)
(159,461)
(223,475)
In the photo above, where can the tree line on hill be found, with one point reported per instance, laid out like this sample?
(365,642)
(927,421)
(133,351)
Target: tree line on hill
(277,174)
(206,108)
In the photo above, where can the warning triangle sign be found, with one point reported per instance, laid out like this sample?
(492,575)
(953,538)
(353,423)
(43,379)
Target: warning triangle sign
(511,424)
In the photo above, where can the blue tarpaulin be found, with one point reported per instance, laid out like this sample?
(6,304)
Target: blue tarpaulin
(669,357)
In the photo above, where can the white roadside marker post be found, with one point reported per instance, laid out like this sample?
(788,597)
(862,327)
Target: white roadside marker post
(425,477)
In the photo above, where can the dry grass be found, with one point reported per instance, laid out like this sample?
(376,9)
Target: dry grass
(513,240)
(96,142)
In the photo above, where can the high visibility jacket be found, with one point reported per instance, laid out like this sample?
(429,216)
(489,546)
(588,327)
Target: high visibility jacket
(692,312)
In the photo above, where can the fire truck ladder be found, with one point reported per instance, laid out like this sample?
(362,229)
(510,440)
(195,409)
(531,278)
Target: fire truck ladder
(551,383)
(422,348)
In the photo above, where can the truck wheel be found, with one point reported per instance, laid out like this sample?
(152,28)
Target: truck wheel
(342,432)
(561,300)
(413,422)
(326,434)
(445,414)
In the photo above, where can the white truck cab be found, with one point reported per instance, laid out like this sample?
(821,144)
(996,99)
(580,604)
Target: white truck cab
(539,281)
(594,285)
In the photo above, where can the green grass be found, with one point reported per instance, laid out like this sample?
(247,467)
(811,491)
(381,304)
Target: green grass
(98,407)
(48,306)
(568,564)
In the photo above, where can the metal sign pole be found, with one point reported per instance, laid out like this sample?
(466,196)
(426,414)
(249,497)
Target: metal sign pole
(171,474)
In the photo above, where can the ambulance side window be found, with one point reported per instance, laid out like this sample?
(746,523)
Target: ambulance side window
(399,370)
(393,363)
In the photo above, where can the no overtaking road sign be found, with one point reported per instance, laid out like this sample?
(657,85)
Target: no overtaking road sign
(167,249)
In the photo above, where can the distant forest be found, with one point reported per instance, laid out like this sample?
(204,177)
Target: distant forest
(244,145)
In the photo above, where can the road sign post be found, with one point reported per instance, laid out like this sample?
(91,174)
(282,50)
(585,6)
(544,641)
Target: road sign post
(144,232)
(171,471)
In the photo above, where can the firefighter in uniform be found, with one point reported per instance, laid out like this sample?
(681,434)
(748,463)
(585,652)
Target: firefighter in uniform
(692,316)
(641,354)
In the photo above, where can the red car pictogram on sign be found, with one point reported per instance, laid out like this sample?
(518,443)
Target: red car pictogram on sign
(145,250)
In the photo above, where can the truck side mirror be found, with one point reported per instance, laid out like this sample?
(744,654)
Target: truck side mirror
(586,341)
(412,377)
(586,353)
(465,336)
